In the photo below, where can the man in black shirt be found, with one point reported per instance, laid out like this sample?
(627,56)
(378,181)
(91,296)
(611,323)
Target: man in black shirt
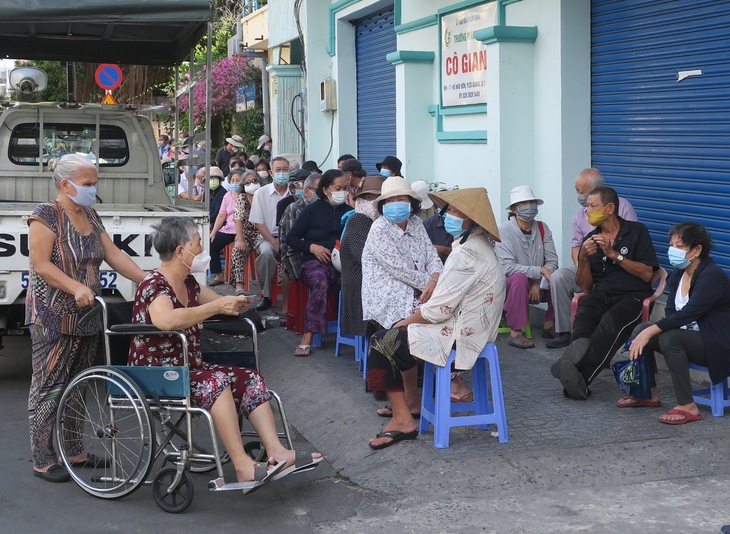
(233,146)
(616,263)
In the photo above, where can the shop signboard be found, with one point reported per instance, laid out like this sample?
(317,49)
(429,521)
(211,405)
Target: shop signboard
(245,98)
(463,58)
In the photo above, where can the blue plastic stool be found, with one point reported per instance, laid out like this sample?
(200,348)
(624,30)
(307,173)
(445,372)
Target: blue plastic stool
(437,409)
(317,338)
(718,393)
(344,339)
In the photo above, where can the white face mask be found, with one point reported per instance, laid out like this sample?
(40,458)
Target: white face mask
(338,198)
(263,174)
(200,262)
(252,188)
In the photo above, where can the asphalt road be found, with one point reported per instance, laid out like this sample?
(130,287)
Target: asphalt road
(569,466)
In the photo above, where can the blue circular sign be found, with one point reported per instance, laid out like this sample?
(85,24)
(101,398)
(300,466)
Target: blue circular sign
(108,76)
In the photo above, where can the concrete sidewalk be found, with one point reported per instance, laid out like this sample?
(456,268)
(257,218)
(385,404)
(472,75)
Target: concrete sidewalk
(569,465)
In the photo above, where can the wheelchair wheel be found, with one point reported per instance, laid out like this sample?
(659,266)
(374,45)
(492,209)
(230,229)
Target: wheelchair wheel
(105,414)
(255,450)
(178,499)
(201,443)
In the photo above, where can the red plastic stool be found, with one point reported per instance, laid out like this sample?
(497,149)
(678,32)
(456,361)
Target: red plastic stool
(249,271)
(298,294)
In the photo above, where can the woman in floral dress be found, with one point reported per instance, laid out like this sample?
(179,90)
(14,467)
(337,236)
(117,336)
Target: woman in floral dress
(246,233)
(171,299)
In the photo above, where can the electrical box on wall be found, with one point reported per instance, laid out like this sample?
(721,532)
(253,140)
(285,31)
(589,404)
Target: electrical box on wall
(327,95)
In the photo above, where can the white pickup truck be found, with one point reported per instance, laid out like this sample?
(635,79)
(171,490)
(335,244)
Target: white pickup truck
(131,192)
(118,138)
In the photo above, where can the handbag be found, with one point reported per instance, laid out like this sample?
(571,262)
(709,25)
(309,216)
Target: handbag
(632,377)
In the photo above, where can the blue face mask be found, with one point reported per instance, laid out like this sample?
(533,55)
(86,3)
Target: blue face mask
(85,195)
(385,173)
(677,258)
(281,178)
(397,211)
(453,225)
(299,193)
(234,188)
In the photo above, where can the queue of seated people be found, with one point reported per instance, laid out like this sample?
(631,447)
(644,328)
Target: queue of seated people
(394,248)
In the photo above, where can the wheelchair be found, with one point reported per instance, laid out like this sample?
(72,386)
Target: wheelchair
(133,418)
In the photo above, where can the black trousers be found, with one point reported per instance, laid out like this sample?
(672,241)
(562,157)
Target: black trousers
(220,241)
(607,322)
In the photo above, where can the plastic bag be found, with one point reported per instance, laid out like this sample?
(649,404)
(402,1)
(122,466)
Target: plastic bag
(632,377)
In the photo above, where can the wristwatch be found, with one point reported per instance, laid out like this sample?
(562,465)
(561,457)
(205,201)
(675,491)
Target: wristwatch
(619,258)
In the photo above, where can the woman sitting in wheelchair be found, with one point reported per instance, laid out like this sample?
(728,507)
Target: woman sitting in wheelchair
(171,299)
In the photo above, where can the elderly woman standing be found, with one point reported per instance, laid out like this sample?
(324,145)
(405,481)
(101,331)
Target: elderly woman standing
(171,299)
(528,255)
(463,311)
(246,232)
(68,243)
(314,235)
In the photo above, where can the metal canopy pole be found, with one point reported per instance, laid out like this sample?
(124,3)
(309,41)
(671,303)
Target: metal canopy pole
(208,109)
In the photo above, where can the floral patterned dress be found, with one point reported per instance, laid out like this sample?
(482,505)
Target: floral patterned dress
(207,380)
(250,236)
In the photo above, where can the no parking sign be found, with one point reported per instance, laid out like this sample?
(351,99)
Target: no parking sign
(108,76)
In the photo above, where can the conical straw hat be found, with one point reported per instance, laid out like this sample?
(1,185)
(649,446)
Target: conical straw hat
(472,202)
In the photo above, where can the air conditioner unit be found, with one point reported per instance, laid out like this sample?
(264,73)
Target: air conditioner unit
(327,95)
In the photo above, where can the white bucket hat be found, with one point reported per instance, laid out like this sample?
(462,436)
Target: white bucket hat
(421,189)
(235,140)
(522,193)
(396,186)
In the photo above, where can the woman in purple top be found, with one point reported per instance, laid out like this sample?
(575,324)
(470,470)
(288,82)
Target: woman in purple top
(68,243)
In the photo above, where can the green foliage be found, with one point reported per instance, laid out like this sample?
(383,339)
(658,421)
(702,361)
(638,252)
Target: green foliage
(250,126)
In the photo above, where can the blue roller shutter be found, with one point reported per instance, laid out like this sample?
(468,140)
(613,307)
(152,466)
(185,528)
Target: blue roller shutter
(663,143)
(374,38)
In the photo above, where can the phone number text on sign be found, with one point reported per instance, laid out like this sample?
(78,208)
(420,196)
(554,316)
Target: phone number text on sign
(463,58)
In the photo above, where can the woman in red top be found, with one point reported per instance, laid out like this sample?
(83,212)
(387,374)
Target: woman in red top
(171,299)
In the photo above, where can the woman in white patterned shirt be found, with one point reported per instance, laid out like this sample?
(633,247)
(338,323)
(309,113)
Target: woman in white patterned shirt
(463,311)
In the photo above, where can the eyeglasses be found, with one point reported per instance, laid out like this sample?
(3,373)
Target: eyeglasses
(251,182)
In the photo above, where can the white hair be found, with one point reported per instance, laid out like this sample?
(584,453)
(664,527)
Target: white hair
(67,166)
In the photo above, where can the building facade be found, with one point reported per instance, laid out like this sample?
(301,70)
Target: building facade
(501,93)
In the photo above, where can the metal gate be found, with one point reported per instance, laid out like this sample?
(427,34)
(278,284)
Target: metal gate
(374,38)
(661,111)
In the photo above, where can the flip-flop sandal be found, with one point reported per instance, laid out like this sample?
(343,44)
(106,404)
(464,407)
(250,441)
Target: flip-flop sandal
(416,415)
(688,417)
(395,436)
(631,402)
(302,350)
(303,462)
(262,475)
(214,283)
(240,292)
